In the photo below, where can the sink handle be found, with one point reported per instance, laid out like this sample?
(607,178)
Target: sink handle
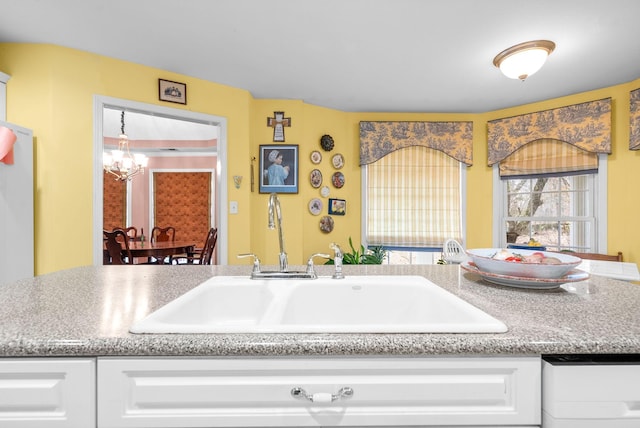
(337,261)
(322,397)
(310,269)
(256,261)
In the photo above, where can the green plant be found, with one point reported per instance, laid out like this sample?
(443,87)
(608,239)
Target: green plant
(362,256)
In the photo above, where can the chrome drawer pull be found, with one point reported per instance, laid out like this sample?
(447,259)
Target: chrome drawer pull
(322,397)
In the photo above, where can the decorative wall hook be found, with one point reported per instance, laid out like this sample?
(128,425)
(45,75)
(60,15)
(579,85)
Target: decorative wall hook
(253,159)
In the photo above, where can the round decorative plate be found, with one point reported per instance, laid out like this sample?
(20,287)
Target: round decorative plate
(337,179)
(315,178)
(521,282)
(326,224)
(315,206)
(338,161)
(325,191)
(316,157)
(326,142)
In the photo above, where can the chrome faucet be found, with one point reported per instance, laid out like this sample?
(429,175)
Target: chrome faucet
(337,261)
(275,211)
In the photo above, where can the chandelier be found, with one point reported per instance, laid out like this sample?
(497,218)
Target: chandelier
(121,163)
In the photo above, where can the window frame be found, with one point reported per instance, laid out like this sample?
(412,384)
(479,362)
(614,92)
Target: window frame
(499,237)
(364,207)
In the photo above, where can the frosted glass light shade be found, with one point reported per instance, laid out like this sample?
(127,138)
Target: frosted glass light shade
(127,164)
(117,155)
(107,159)
(140,159)
(523,60)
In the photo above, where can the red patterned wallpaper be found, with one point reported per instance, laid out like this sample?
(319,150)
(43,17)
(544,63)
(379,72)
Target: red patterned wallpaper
(183,200)
(114,211)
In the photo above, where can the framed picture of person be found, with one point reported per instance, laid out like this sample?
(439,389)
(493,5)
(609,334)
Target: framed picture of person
(279,168)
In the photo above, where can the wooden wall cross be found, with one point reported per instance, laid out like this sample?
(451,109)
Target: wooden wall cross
(278,122)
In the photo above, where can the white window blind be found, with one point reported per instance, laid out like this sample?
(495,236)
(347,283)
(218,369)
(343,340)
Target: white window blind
(413,199)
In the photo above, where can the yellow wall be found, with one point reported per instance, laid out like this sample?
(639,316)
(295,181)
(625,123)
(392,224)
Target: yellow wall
(51,91)
(302,233)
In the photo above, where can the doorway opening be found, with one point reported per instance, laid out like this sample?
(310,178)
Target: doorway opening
(103,108)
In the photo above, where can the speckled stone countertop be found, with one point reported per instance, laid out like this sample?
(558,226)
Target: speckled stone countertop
(87,311)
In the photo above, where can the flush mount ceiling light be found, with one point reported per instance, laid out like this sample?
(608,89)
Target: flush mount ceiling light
(524,59)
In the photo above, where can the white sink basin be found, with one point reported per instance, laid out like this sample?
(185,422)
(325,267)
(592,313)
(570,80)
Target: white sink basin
(356,304)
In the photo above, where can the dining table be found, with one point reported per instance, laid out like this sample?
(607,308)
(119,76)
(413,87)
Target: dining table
(160,250)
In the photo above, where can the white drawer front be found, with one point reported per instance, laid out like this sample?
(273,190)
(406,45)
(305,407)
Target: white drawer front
(257,392)
(600,392)
(47,392)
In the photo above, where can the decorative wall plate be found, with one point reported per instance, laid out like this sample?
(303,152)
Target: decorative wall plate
(338,161)
(326,224)
(326,142)
(325,191)
(315,206)
(316,157)
(337,179)
(315,178)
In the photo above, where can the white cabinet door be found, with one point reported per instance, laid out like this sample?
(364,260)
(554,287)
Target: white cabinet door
(47,392)
(4,78)
(16,209)
(165,392)
(591,395)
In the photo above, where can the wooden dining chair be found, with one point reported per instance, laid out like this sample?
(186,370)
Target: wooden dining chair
(117,242)
(204,255)
(162,234)
(210,244)
(130,231)
(596,256)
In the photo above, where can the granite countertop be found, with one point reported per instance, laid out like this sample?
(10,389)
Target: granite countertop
(87,311)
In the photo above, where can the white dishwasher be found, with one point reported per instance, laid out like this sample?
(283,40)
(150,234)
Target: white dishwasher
(591,391)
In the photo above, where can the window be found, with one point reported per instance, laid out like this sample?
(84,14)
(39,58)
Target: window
(412,203)
(559,212)
(555,211)
(565,142)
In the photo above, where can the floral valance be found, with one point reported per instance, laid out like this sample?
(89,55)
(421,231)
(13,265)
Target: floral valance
(634,132)
(586,126)
(378,139)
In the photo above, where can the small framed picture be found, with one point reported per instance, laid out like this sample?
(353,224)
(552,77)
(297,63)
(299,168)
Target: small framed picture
(337,207)
(173,92)
(279,168)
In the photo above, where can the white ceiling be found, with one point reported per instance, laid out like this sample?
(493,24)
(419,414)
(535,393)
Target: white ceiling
(140,126)
(352,55)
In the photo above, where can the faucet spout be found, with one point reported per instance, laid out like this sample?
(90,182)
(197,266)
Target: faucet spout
(276,212)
